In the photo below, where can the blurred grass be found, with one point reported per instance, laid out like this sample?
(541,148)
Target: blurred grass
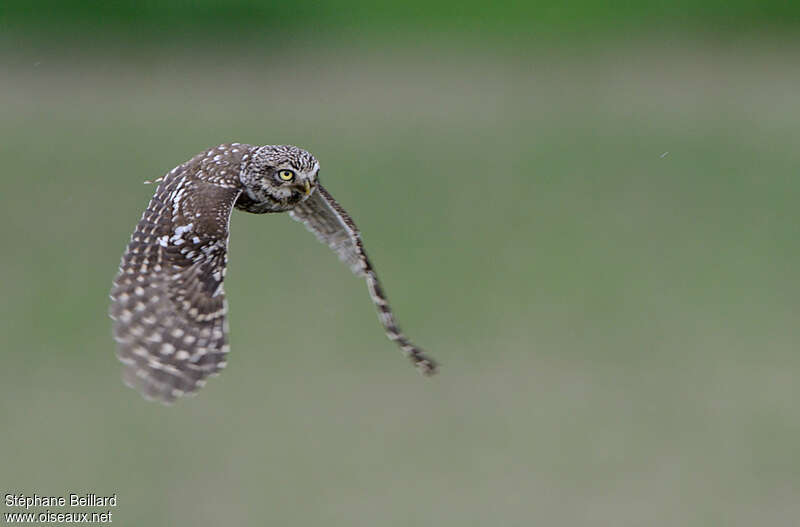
(599,245)
(310,16)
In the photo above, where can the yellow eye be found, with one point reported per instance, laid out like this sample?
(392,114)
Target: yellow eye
(286,175)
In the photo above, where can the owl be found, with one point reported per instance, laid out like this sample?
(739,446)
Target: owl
(168,301)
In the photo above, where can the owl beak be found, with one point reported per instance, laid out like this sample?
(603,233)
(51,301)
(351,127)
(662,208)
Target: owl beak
(306,187)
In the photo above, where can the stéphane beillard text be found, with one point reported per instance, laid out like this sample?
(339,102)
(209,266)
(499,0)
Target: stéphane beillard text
(72,500)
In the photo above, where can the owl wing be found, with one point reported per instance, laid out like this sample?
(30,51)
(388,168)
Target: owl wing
(168,302)
(323,216)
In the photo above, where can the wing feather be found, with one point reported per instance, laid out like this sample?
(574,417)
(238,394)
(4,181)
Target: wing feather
(331,224)
(168,301)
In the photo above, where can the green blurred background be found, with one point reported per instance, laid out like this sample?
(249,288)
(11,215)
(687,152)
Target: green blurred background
(588,213)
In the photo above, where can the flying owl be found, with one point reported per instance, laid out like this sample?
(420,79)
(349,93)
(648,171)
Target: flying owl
(168,302)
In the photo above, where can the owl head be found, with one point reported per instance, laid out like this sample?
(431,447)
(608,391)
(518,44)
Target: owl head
(278,177)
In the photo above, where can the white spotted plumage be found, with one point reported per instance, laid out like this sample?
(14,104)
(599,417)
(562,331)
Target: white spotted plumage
(168,300)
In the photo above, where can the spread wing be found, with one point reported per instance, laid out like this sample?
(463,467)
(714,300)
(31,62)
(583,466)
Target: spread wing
(323,216)
(168,302)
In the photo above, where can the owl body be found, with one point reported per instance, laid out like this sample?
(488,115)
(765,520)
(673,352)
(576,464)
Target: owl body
(168,299)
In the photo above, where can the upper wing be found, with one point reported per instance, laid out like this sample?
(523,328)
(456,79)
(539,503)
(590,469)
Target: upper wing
(168,302)
(323,216)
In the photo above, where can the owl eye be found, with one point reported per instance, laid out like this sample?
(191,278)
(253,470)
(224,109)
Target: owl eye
(286,175)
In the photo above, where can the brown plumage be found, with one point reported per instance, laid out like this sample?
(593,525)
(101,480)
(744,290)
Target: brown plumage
(168,300)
